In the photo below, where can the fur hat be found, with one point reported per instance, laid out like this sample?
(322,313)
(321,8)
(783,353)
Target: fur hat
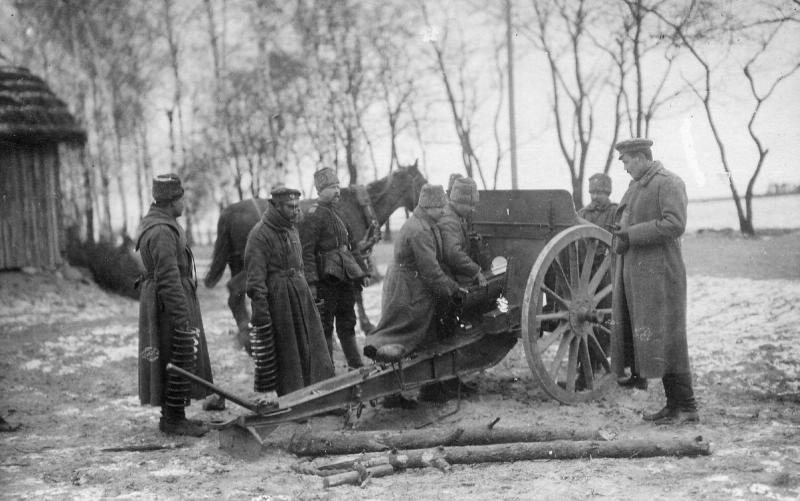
(600,182)
(283,194)
(464,191)
(167,187)
(452,180)
(633,145)
(325,177)
(432,196)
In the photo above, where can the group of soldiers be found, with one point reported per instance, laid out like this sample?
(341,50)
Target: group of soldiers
(303,277)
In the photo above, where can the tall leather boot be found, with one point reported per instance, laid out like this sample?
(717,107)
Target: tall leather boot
(668,380)
(351,351)
(684,399)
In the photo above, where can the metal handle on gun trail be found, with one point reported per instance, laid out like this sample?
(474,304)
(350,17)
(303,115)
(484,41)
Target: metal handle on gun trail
(257,407)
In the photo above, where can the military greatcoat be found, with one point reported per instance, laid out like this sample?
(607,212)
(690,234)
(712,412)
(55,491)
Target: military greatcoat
(601,214)
(167,300)
(649,304)
(278,290)
(455,243)
(416,286)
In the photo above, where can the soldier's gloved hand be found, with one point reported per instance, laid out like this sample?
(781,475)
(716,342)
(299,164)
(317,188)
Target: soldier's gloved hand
(481,279)
(459,295)
(366,281)
(260,318)
(623,240)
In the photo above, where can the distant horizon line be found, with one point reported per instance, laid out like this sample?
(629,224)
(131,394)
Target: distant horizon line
(730,197)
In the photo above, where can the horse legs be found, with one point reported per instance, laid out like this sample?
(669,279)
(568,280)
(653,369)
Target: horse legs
(237,302)
(363,319)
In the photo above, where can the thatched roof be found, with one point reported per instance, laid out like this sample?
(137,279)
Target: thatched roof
(30,112)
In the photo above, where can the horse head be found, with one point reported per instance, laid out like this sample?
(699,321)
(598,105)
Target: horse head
(407,180)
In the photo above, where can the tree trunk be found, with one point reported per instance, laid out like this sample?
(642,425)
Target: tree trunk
(322,443)
(577,191)
(88,190)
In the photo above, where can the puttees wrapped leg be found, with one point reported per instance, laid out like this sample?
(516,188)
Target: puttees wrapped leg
(262,340)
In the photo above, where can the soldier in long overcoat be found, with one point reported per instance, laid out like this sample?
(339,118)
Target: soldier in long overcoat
(416,286)
(288,343)
(332,271)
(170,325)
(649,304)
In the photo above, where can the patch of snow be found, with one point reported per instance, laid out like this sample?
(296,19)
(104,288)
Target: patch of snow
(32,365)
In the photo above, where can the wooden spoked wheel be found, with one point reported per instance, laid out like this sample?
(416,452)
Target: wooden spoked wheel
(566,315)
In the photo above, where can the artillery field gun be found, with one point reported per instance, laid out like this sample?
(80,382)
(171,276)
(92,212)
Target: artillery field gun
(549,287)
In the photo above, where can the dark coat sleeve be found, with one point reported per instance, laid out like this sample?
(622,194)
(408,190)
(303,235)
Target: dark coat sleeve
(163,247)
(430,271)
(454,249)
(309,234)
(671,223)
(256,258)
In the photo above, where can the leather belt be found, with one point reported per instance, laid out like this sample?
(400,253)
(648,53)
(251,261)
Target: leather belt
(290,272)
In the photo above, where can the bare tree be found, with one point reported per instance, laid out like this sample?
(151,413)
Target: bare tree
(462,106)
(572,82)
(692,40)
(760,99)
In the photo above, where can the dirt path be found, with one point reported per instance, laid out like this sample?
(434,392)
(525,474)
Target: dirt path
(68,370)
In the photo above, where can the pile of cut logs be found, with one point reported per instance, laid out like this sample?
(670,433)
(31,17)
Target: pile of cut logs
(360,456)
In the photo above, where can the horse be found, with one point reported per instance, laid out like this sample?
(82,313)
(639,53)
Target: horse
(400,188)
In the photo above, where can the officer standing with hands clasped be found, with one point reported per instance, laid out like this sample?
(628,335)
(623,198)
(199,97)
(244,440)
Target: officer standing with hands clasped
(649,302)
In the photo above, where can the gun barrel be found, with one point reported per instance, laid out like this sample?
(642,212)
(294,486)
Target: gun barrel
(211,386)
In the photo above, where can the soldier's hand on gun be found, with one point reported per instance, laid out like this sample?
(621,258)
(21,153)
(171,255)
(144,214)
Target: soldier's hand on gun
(481,279)
(459,295)
(366,281)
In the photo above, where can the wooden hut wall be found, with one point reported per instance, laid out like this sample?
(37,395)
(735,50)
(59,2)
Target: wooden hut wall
(30,222)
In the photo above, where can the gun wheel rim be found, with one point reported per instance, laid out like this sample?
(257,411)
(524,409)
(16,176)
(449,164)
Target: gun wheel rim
(566,315)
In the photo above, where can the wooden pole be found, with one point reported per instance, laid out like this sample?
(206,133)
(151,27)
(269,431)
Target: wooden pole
(311,443)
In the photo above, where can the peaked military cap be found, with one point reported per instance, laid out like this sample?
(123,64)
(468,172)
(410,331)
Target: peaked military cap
(283,194)
(600,182)
(325,177)
(632,145)
(167,187)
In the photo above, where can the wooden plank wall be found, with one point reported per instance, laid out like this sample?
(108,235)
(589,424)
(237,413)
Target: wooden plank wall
(30,198)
